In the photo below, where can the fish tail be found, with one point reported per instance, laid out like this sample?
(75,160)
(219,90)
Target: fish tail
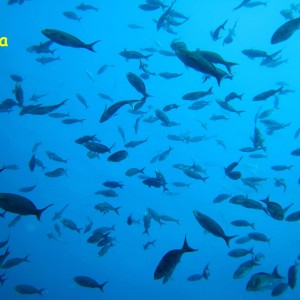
(228,238)
(101,286)
(186,247)
(90,46)
(40,292)
(229,65)
(116,210)
(252,225)
(147,56)
(40,211)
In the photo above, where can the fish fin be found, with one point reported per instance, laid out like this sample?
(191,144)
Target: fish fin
(40,211)
(101,286)
(228,238)
(186,247)
(90,46)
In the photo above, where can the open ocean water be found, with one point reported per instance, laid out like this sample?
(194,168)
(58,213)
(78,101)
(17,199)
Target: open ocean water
(184,154)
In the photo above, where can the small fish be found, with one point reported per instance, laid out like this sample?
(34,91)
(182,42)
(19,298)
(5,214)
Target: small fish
(88,282)
(56,173)
(70,224)
(71,15)
(26,289)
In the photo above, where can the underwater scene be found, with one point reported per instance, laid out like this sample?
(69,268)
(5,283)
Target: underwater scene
(149,149)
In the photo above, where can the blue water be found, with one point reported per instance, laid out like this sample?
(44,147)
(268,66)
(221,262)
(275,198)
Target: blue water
(127,267)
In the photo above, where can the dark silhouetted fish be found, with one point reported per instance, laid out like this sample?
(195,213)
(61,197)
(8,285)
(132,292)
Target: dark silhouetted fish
(20,205)
(169,262)
(89,282)
(285,31)
(66,39)
(212,226)
(26,289)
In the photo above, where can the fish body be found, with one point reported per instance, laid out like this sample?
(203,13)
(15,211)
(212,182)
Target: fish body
(70,224)
(111,110)
(26,289)
(285,31)
(212,226)
(170,260)
(20,205)
(118,156)
(89,282)
(261,281)
(137,83)
(66,39)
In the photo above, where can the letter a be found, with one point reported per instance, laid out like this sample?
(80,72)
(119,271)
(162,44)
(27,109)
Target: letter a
(3,42)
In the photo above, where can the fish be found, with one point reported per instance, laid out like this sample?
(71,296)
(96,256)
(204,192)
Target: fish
(82,100)
(285,31)
(225,105)
(27,189)
(292,275)
(279,289)
(243,223)
(163,17)
(118,156)
(20,205)
(134,171)
(105,207)
(71,15)
(148,244)
(107,193)
(216,58)
(85,7)
(169,261)
(56,172)
(137,83)
(267,94)
(111,110)
(26,289)
(262,280)
(293,217)
(57,215)
(169,75)
(113,184)
(212,226)
(66,39)
(70,224)
(41,109)
(4,243)
(258,236)
(55,157)
(244,268)
(236,253)
(197,95)
(155,182)
(215,34)
(10,263)
(131,54)
(47,59)
(89,282)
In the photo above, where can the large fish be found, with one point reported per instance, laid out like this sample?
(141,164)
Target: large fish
(66,39)
(20,205)
(285,31)
(169,262)
(212,226)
